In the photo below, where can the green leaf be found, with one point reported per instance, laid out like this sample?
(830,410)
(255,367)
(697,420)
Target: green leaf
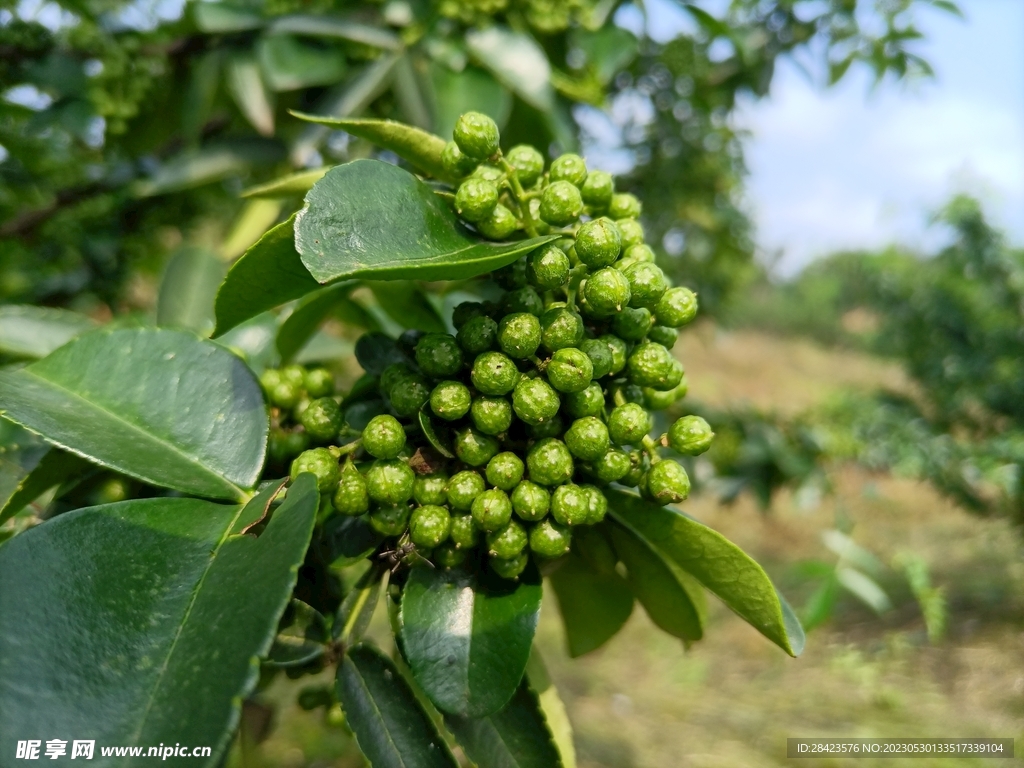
(357,608)
(256,217)
(408,305)
(20,453)
(391,728)
(253,341)
(299,327)
(336,27)
(245,84)
(437,433)
(289,64)
(347,540)
(163,406)
(36,331)
(369,219)
(819,606)
(302,638)
(517,736)
(268,275)
(194,168)
(188,290)
(138,607)
(53,468)
(224,17)
(409,94)
(671,597)
(421,149)
(552,707)
(298,183)
(609,50)
(471,89)
(864,588)
(722,567)
(322,348)
(594,605)
(375,352)
(517,60)
(467,637)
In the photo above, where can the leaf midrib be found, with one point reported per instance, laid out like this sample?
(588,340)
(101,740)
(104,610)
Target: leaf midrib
(380,715)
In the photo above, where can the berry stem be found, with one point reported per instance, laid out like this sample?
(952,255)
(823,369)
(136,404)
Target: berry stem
(619,397)
(345,450)
(652,449)
(520,196)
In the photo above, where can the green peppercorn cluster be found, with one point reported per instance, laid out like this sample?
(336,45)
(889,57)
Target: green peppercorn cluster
(497,440)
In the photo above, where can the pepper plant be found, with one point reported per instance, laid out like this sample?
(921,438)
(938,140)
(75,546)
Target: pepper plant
(459,471)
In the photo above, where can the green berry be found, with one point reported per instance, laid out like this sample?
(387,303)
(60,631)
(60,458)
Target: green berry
(489,173)
(466,311)
(390,520)
(637,469)
(598,189)
(560,327)
(509,569)
(586,402)
(528,162)
(530,501)
(463,488)
(534,401)
(491,415)
(597,504)
(630,232)
(628,424)
(294,443)
(612,467)
(429,526)
(430,489)
(478,334)
(651,365)
(624,206)
(519,335)
(587,438)
(647,284)
(600,355)
(284,395)
(455,162)
(631,393)
(383,437)
(499,224)
(464,533)
(351,497)
(607,291)
(476,199)
(639,252)
(447,555)
(269,380)
(691,435)
(619,352)
(663,335)
(322,464)
(548,268)
(522,300)
(570,370)
(408,395)
(667,483)
(319,382)
(321,419)
(389,481)
(560,204)
(393,374)
(492,510)
(507,542)
(550,540)
(570,505)
(451,400)
(476,134)
(549,462)
(294,375)
(494,373)
(550,428)
(473,447)
(505,471)
(660,401)
(570,168)
(632,324)
(511,276)
(598,243)
(438,355)
(677,307)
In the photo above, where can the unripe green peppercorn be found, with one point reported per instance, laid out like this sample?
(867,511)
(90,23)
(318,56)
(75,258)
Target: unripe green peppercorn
(383,437)
(607,291)
(389,481)
(548,268)
(677,307)
(618,349)
(284,395)
(507,542)
(438,355)
(586,402)
(494,373)
(560,204)
(451,400)
(570,505)
(488,172)
(548,539)
(522,300)
(587,438)
(612,467)
(476,134)
(319,382)
(550,428)
(631,233)
(463,531)
(631,393)
(390,520)
(351,497)
(430,489)
(600,355)
(446,555)
(597,504)
(528,162)
(473,447)
(598,243)
(651,365)
(519,335)
(408,395)
(637,469)
(511,276)
(429,526)
(466,311)
(269,380)
(632,324)
(392,375)
(639,252)
(624,206)
(667,483)
(499,224)
(505,471)
(294,443)
(476,198)
(660,401)
(463,488)
(530,501)
(647,284)
(534,401)
(570,370)
(691,435)
(321,419)
(568,167)
(322,464)
(560,328)
(598,189)
(491,415)
(294,375)
(478,334)
(663,335)
(628,424)
(492,510)
(509,569)
(549,462)
(455,162)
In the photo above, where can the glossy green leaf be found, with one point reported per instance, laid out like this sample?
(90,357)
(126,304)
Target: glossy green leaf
(288,63)
(438,433)
(608,50)
(408,305)
(20,453)
(194,168)
(245,84)
(160,405)
(391,728)
(337,27)
(373,220)
(357,608)
(253,340)
(819,606)
(552,707)
(409,94)
(517,61)
(722,567)
(323,347)
(671,597)
(594,605)
(358,415)
(253,221)
(35,332)
(138,607)
(53,468)
(301,638)
(299,327)
(268,275)
(298,183)
(421,149)
(347,540)
(224,17)
(467,637)
(375,352)
(517,736)
(188,290)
